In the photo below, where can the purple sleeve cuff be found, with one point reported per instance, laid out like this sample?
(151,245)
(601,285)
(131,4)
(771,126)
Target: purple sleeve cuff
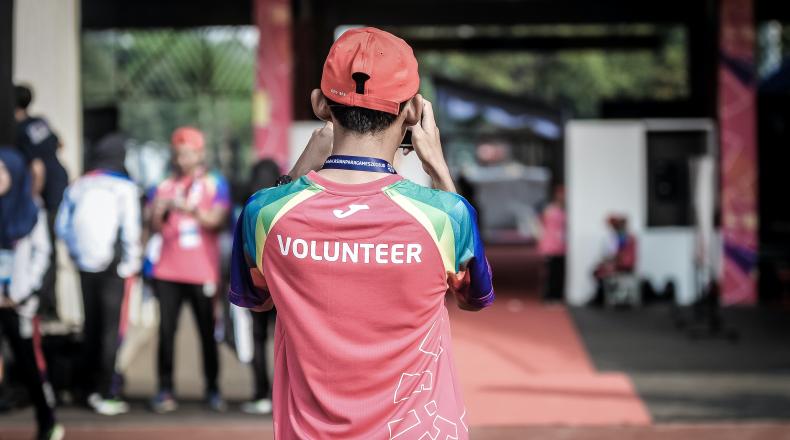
(246,301)
(243,292)
(242,300)
(481,292)
(482,302)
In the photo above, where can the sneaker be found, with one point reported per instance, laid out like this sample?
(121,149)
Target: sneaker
(261,406)
(55,433)
(164,403)
(93,400)
(111,407)
(215,402)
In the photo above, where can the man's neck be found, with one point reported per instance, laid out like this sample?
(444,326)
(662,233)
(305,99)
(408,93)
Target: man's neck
(367,146)
(381,146)
(191,174)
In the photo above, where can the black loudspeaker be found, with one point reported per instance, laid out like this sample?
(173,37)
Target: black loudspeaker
(669,185)
(773,126)
(669,178)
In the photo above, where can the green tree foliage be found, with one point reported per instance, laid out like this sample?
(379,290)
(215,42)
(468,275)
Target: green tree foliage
(162,79)
(576,80)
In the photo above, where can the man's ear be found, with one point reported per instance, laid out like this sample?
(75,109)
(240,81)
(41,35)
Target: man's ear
(320,106)
(413,110)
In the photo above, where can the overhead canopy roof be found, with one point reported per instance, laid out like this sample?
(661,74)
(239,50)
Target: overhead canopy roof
(102,14)
(315,21)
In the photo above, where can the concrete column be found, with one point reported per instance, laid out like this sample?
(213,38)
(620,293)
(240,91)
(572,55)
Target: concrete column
(738,134)
(47,57)
(273,99)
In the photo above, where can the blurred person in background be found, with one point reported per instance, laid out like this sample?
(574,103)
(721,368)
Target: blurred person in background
(24,257)
(188,209)
(39,145)
(99,220)
(619,255)
(552,246)
(264,175)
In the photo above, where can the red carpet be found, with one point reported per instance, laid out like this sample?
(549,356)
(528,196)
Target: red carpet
(523,363)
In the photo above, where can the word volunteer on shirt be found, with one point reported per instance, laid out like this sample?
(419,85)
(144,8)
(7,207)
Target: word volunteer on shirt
(350,252)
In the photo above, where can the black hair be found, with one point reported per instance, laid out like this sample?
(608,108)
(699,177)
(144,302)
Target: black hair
(361,120)
(109,153)
(264,174)
(22,96)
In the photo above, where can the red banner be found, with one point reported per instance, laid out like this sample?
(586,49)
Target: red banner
(737,125)
(272,102)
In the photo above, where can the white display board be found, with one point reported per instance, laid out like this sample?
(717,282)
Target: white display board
(605,173)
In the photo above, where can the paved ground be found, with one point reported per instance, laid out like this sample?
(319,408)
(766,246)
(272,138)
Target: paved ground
(523,363)
(685,380)
(262,431)
(693,389)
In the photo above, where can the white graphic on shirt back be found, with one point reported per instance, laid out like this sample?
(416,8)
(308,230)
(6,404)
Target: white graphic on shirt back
(432,345)
(351,210)
(443,429)
(38,131)
(432,427)
(462,420)
(418,382)
(401,427)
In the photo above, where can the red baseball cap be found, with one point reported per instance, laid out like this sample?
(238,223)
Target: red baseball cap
(189,136)
(370,68)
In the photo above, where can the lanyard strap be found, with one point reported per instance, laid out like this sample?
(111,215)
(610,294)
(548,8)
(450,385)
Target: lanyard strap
(359,163)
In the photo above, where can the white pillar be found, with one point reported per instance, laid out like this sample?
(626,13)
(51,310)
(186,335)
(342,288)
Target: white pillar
(47,57)
(605,173)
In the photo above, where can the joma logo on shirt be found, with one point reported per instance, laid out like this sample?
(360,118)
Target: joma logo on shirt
(351,210)
(347,252)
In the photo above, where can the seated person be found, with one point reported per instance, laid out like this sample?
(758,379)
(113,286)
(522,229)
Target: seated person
(619,254)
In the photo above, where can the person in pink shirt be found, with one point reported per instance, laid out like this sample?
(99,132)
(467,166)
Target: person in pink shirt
(358,262)
(188,209)
(552,247)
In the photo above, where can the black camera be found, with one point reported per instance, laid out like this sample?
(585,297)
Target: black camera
(406,142)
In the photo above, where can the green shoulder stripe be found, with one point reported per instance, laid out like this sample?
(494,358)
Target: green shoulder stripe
(266,207)
(441,213)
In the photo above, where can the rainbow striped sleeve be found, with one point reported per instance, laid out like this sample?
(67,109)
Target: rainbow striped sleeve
(452,223)
(219,188)
(262,211)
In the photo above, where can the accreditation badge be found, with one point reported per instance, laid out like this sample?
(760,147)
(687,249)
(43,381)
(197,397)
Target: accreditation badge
(188,233)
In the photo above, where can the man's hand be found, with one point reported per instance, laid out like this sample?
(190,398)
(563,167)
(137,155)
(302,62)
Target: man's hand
(7,303)
(318,148)
(161,205)
(156,214)
(39,173)
(212,218)
(181,204)
(428,146)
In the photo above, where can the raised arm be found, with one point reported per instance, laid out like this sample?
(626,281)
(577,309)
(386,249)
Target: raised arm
(318,148)
(130,233)
(247,283)
(427,143)
(472,284)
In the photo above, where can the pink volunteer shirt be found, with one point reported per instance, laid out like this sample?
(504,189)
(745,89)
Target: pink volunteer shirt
(358,274)
(552,242)
(190,253)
